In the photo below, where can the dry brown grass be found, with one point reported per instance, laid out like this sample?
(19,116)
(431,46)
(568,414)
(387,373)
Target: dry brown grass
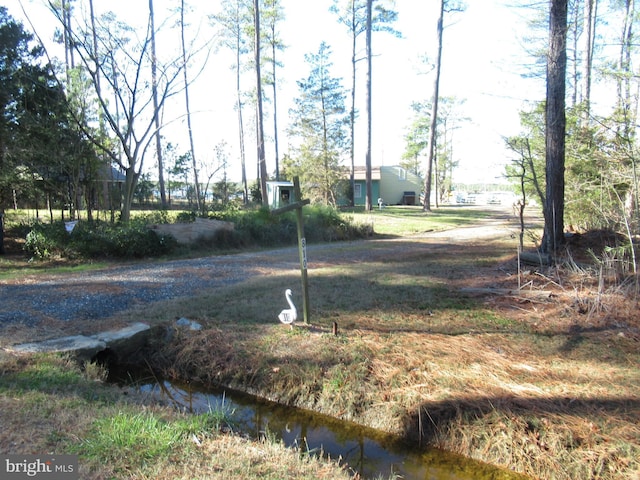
(542,384)
(543,381)
(232,457)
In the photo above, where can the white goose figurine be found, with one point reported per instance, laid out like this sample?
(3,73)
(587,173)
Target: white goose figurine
(288,315)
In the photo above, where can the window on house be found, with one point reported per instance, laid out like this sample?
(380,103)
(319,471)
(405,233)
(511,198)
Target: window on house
(357,191)
(402,173)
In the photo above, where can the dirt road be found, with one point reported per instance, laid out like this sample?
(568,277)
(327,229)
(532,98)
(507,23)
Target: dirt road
(35,307)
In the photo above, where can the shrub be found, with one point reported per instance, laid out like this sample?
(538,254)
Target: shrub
(256,227)
(97,239)
(261,227)
(326,224)
(186,217)
(46,240)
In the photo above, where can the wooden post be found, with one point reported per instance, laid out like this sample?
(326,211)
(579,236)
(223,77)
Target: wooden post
(302,249)
(302,242)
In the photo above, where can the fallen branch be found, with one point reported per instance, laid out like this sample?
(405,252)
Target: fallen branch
(535,258)
(509,292)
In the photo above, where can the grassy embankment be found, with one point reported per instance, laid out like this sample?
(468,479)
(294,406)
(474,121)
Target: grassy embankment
(49,404)
(543,382)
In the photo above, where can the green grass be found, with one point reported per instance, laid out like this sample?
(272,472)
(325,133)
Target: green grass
(10,269)
(408,220)
(134,438)
(50,403)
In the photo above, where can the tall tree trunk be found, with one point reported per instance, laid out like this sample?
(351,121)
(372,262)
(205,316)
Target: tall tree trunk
(188,107)
(369,201)
(624,87)
(156,117)
(104,188)
(575,52)
(94,35)
(352,111)
(239,104)
(72,190)
(262,163)
(130,183)
(625,102)
(2,251)
(121,200)
(431,146)
(553,237)
(243,161)
(275,100)
(66,35)
(589,33)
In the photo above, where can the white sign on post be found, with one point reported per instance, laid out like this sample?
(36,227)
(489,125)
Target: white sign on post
(303,243)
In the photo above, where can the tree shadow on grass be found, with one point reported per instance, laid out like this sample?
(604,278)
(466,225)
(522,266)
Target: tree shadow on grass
(433,418)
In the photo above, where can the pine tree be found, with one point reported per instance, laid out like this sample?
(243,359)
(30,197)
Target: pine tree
(320,121)
(553,237)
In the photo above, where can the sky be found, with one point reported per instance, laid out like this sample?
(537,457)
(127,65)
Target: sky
(480,47)
(480,51)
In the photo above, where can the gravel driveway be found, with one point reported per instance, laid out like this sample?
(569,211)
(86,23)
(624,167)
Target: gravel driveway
(38,302)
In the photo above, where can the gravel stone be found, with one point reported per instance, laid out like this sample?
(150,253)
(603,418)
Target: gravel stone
(93,295)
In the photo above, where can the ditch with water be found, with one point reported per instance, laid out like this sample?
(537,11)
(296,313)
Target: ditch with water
(367,452)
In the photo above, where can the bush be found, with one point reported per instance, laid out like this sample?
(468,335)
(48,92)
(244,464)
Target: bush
(259,227)
(97,240)
(46,240)
(253,228)
(186,217)
(325,224)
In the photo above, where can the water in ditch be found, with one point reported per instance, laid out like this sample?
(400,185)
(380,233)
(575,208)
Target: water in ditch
(370,453)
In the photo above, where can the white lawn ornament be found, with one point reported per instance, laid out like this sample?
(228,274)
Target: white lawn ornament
(288,315)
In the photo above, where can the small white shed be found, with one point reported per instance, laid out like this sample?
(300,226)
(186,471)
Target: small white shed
(280,194)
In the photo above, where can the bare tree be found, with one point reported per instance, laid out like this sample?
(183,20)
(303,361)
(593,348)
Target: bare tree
(125,98)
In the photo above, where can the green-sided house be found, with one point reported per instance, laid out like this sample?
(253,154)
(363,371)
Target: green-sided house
(393,184)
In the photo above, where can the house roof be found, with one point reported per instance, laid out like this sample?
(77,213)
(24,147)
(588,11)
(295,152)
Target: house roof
(281,184)
(110,173)
(360,173)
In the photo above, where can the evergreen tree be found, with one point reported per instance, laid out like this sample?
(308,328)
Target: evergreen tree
(15,55)
(14,51)
(41,149)
(320,122)
(553,237)
(417,137)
